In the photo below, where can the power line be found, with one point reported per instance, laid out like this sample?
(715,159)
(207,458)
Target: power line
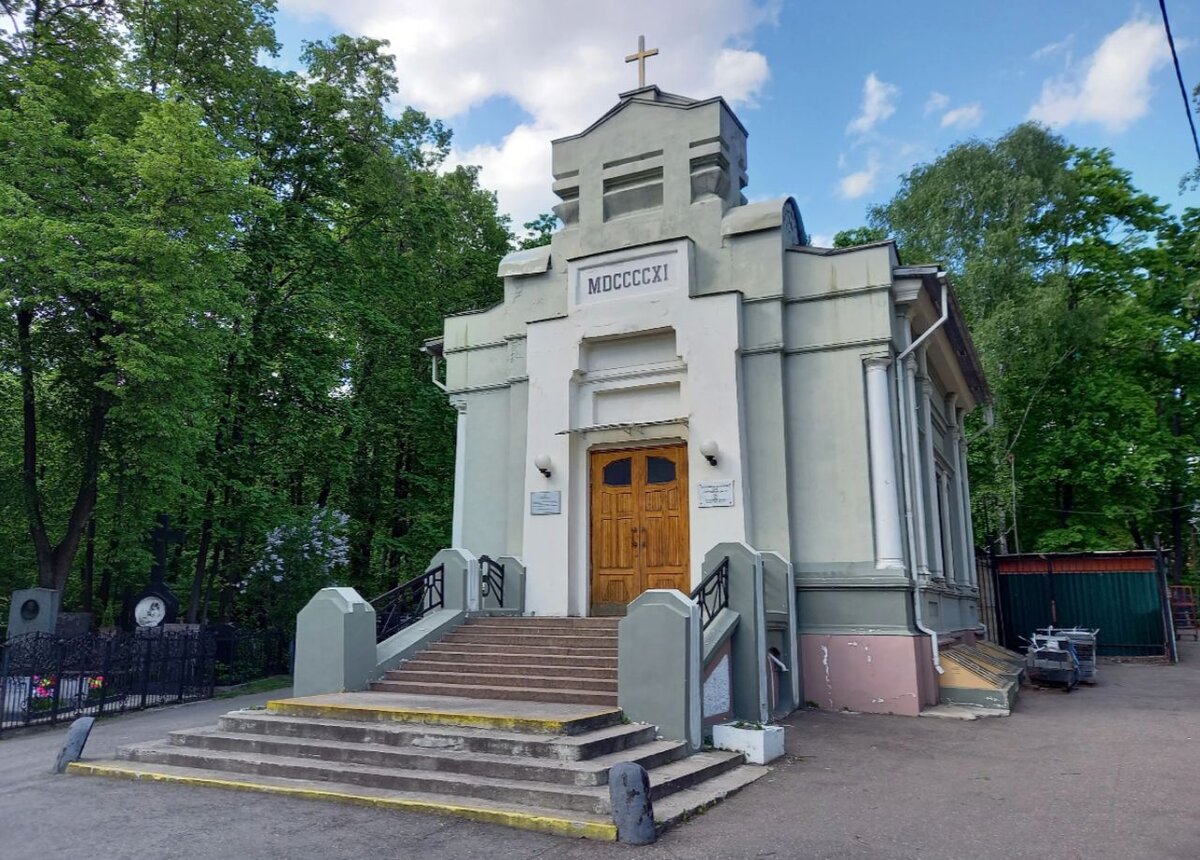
(1187,105)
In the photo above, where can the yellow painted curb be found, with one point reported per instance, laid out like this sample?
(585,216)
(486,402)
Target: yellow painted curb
(520,820)
(382,713)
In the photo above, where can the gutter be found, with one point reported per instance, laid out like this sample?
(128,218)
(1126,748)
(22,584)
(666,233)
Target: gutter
(433,349)
(908,433)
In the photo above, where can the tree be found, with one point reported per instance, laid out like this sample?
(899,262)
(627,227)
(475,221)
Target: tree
(117,224)
(538,231)
(1058,265)
(218,275)
(858,236)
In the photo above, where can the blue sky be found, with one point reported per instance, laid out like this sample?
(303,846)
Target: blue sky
(840,97)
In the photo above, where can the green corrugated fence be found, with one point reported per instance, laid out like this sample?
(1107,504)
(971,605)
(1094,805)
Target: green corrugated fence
(1119,593)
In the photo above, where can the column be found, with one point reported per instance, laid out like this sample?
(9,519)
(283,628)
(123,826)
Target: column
(953,570)
(458,518)
(885,501)
(964,487)
(919,505)
(936,564)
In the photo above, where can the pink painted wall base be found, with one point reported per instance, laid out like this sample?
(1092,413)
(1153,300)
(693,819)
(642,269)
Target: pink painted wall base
(871,674)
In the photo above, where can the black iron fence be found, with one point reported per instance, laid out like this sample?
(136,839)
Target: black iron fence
(45,679)
(247,655)
(409,603)
(712,594)
(491,576)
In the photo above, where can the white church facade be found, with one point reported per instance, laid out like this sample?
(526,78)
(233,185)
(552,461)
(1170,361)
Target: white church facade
(679,368)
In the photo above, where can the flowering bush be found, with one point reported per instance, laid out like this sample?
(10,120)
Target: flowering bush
(297,560)
(41,692)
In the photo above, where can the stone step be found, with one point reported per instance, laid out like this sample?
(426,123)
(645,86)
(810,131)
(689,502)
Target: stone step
(491,691)
(664,780)
(487,679)
(448,654)
(539,819)
(422,664)
(550,717)
(461,739)
(477,628)
(674,808)
(512,651)
(686,803)
(591,772)
(543,622)
(538,640)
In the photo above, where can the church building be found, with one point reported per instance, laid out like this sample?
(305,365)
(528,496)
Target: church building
(680,368)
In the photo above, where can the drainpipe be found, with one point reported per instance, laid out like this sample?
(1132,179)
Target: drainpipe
(908,434)
(433,352)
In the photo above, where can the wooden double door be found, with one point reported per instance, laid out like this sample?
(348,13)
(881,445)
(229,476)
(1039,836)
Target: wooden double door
(639,525)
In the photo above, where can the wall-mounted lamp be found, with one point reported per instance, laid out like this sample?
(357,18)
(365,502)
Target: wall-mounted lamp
(710,451)
(542,462)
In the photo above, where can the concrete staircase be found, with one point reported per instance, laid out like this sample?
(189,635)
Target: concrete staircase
(564,660)
(508,720)
(529,765)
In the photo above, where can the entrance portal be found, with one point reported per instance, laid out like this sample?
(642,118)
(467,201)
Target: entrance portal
(639,525)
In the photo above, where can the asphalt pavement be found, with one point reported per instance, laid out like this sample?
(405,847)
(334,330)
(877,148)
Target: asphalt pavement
(1111,771)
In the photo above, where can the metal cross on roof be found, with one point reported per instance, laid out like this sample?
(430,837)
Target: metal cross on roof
(640,59)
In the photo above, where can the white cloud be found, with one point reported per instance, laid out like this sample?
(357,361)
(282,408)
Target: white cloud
(855,185)
(561,63)
(1112,86)
(878,104)
(821,240)
(1053,48)
(967,116)
(936,102)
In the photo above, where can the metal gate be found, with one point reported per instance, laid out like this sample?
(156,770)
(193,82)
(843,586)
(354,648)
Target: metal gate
(1121,593)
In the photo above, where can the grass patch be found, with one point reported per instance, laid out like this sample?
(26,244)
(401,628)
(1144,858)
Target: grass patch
(262,685)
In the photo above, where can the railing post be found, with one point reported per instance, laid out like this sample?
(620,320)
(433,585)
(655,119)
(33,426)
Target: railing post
(748,651)
(104,679)
(658,664)
(58,651)
(335,643)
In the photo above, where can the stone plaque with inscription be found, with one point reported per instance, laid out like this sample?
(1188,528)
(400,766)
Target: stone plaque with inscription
(716,494)
(545,502)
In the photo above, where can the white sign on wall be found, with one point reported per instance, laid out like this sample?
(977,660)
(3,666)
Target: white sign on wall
(545,502)
(716,494)
(649,274)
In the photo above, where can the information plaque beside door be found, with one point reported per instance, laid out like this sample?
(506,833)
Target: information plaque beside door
(545,502)
(715,494)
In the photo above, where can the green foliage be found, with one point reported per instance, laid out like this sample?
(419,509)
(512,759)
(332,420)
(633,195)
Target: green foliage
(538,231)
(858,236)
(1080,292)
(217,278)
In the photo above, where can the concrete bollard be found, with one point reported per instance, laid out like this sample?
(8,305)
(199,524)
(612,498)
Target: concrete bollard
(632,809)
(77,736)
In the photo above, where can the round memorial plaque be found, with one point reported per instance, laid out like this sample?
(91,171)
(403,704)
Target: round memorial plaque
(150,612)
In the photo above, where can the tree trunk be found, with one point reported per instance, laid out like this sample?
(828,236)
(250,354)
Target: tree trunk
(197,592)
(89,565)
(1136,533)
(54,562)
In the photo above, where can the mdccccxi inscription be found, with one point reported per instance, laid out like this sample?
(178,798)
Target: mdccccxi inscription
(635,277)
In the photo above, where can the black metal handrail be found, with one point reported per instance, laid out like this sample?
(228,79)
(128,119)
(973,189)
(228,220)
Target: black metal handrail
(409,603)
(712,594)
(491,575)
